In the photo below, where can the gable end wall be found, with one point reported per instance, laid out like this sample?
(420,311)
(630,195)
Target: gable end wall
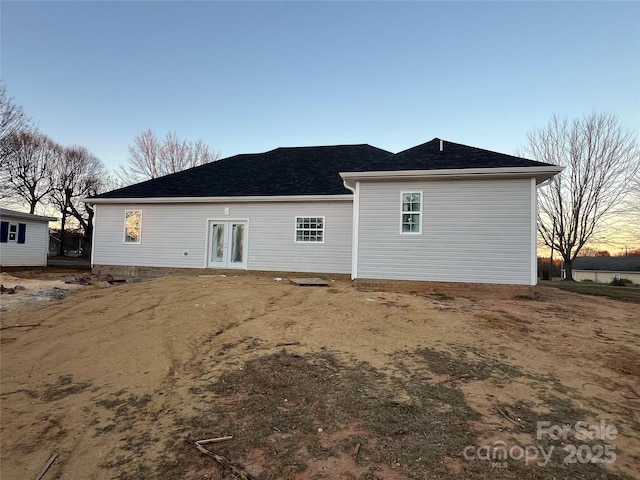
(475,231)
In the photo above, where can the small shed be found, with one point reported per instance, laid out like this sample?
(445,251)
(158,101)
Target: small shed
(606,269)
(24,239)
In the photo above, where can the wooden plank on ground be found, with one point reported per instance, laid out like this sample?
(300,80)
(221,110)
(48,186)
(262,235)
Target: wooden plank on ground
(310,282)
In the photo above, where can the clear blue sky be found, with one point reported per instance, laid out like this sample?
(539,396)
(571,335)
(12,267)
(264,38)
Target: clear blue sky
(252,76)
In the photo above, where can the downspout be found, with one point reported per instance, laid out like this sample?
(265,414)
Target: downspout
(348,187)
(355,227)
(46,253)
(93,233)
(534,233)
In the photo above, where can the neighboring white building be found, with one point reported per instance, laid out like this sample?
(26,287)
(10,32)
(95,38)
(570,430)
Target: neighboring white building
(440,212)
(606,269)
(24,239)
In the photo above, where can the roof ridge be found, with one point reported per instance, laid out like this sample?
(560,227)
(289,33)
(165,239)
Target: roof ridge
(434,143)
(326,146)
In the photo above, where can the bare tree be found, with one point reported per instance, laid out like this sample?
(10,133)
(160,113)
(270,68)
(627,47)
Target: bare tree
(151,158)
(77,174)
(201,153)
(174,155)
(12,120)
(143,161)
(26,174)
(601,162)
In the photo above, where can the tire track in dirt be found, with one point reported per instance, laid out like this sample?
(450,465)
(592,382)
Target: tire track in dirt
(160,415)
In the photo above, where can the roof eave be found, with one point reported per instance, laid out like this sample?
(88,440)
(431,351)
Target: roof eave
(26,216)
(228,199)
(541,174)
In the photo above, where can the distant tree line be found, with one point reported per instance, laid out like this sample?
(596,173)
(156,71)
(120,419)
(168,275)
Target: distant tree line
(599,186)
(546,269)
(37,171)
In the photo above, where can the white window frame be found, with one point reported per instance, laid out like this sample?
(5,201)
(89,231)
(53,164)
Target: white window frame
(139,227)
(403,212)
(296,229)
(14,233)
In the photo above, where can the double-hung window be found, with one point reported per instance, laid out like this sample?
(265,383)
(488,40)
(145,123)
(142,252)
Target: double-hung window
(411,212)
(132,226)
(13,232)
(309,229)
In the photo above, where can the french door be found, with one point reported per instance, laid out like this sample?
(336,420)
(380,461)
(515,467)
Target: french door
(227,244)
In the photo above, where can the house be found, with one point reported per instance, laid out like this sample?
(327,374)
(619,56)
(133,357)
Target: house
(74,242)
(438,212)
(606,269)
(24,239)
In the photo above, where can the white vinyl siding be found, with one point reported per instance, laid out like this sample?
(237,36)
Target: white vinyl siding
(472,231)
(170,230)
(31,253)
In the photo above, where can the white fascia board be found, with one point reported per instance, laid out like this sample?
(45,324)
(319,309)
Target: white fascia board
(540,173)
(290,198)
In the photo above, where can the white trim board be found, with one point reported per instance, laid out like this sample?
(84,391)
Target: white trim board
(291,198)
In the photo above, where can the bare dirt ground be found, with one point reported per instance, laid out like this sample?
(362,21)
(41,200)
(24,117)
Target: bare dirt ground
(34,288)
(315,383)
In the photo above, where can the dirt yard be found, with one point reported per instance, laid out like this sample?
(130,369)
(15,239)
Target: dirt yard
(315,383)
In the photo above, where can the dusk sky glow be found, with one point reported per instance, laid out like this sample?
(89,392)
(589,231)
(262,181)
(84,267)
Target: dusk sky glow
(253,76)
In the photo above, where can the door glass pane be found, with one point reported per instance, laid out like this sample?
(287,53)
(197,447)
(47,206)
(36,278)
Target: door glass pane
(237,243)
(217,247)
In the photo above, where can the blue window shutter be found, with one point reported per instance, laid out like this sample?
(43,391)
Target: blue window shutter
(22,232)
(4,232)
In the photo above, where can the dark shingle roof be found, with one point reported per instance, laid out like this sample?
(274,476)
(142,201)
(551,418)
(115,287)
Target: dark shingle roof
(283,171)
(612,264)
(309,170)
(454,155)
(5,212)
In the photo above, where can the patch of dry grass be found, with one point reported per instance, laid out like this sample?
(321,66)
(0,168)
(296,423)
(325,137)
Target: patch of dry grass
(289,412)
(63,387)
